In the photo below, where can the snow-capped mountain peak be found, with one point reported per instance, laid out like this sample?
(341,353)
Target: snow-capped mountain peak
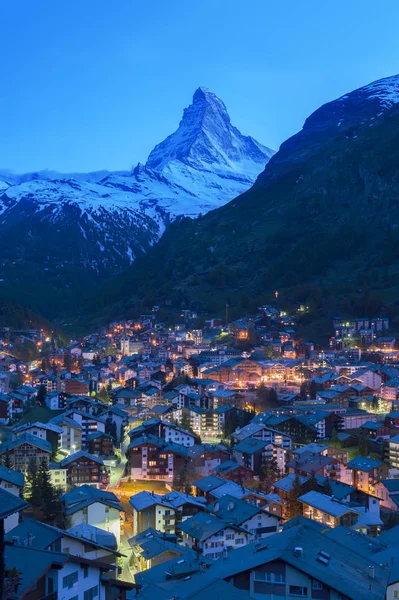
(205,163)
(207,141)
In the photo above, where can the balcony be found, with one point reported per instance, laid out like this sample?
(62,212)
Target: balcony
(169,518)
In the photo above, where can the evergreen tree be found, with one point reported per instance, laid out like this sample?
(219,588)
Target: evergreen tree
(103,396)
(363,443)
(48,494)
(335,441)
(327,489)
(268,475)
(312,389)
(311,484)
(32,490)
(111,429)
(293,506)
(41,395)
(180,481)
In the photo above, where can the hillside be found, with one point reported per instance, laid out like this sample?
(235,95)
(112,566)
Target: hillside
(61,236)
(320,225)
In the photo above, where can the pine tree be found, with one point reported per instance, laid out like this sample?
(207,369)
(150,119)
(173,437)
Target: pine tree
(311,484)
(268,475)
(32,490)
(363,443)
(293,506)
(312,389)
(41,395)
(327,489)
(48,494)
(335,441)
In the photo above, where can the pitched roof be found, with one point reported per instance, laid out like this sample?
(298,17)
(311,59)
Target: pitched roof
(85,495)
(26,438)
(250,445)
(233,509)
(173,499)
(10,504)
(31,563)
(80,454)
(326,504)
(360,463)
(11,476)
(203,525)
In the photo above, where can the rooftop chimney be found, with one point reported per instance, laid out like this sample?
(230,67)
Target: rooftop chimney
(371,571)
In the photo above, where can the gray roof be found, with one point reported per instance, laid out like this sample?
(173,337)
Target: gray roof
(80,454)
(285,484)
(31,563)
(26,438)
(95,535)
(85,495)
(326,504)
(11,476)
(313,447)
(173,499)
(250,445)
(233,509)
(360,463)
(10,504)
(203,525)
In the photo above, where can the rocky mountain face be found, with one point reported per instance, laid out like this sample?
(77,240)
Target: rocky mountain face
(320,224)
(63,234)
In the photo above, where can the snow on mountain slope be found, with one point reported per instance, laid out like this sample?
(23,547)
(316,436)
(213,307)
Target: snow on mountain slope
(205,163)
(99,222)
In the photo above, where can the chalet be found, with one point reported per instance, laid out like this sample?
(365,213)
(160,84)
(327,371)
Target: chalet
(25,448)
(13,482)
(99,508)
(258,521)
(71,436)
(83,468)
(208,535)
(151,548)
(118,416)
(50,575)
(89,423)
(82,540)
(387,491)
(56,400)
(101,444)
(375,430)
(251,453)
(163,512)
(150,457)
(45,431)
(233,471)
(365,473)
(323,509)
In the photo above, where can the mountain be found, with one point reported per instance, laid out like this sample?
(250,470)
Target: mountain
(321,225)
(61,235)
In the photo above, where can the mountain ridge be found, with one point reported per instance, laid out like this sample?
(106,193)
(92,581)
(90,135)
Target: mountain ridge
(65,231)
(318,224)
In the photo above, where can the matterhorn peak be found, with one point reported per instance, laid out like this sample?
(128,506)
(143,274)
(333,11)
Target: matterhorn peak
(207,141)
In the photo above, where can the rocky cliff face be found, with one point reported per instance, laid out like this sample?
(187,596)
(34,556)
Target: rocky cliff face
(79,229)
(322,220)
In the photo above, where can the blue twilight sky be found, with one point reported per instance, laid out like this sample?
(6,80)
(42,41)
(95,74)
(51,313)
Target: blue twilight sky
(91,84)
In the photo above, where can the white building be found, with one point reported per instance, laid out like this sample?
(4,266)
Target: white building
(58,476)
(13,482)
(87,504)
